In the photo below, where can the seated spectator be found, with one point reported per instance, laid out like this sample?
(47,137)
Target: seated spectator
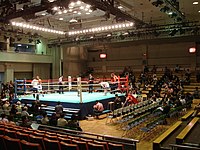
(19,107)
(61,122)
(3,118)
(53,120)
(45,119)
(74,123)
(11,120)
(177,68)
(25,112)
(196,93)
(188,74)
(117,102)
(6,108)
(25,122)
(39,117)
(130,99)
(98,107)
(13,110)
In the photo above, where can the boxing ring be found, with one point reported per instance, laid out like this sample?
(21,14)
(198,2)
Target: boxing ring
(75,94)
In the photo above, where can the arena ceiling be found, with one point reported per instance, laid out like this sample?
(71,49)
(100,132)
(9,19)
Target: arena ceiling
(71,15)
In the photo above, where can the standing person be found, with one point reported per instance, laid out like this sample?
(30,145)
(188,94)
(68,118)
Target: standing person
(60,83)
(90,82)
(35,83)
(58,109)
(113,83)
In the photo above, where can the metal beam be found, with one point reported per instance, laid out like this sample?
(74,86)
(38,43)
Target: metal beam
(34,9)
(114,11)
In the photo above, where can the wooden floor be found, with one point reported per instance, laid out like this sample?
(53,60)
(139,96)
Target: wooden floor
(99,126)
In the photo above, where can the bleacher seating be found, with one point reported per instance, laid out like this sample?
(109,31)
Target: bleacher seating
(180,138)
(157,144)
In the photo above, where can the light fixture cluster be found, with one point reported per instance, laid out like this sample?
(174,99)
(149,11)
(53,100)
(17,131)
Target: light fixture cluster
(75,8)
(28,26)
(102,29)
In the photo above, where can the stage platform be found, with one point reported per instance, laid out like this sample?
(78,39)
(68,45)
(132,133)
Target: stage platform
(72,100)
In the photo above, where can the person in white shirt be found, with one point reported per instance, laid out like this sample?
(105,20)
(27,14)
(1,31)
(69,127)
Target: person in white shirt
(61,122)
(105,86)
(35,83)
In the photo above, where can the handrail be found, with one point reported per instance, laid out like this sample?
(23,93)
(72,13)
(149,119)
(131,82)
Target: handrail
(183,147)
(101,137)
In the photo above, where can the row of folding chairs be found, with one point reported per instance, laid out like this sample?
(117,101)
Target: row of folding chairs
(126,113)
(52,140)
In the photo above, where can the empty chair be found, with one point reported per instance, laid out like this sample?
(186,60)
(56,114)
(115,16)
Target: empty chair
(2,145)
(86,140)
(30,146)
(51,137)
(113,146)
(27,131)
(10,133)
(105,144)
(37,139)
(66,140)
(12,143)
(51,144)
(93,146)
(67,146)
(2,131)
(22,136)
(81,145)
(74,138)
(38,133)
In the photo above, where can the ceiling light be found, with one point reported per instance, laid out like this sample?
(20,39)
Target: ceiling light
(73,20)
(60,18)
(43,14)
(75,12)
(27,26)
(78,2)
(60,12)
(90,10)
(79,13)
(65,11)
(87,13)
(72,4)
(88,6)
(195,3)
(120,7)
(70,10)
(55,8)
(199,11)
(81,7)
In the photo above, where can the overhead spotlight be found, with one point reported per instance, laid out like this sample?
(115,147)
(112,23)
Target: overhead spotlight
(179,19)
(30,40)
(73,20)
(38,41)
(156,33)
(173,15)
(157,3)
(195,30)
(182,31)
(50,11)
(173,32)
(165,9)
(19,38)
